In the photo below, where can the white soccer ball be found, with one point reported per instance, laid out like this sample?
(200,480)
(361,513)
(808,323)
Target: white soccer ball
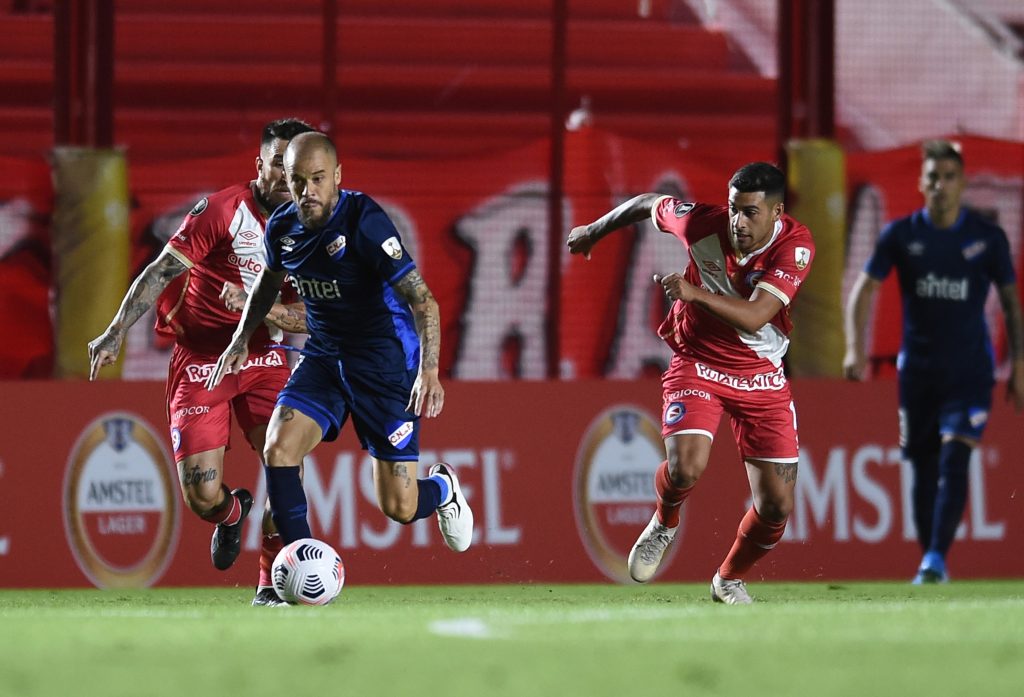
(308,572)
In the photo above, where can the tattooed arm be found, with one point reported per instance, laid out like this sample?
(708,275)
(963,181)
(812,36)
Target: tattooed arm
(264,292)
(427,398)
(583,237)
(144,291)
(290,317)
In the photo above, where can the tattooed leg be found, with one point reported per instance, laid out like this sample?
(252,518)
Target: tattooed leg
(397,489)
(201,479)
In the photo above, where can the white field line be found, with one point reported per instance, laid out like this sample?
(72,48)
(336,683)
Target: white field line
(504,624)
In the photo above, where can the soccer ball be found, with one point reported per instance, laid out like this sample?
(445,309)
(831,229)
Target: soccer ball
(308,572)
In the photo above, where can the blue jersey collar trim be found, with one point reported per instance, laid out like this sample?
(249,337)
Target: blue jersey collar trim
(956,226)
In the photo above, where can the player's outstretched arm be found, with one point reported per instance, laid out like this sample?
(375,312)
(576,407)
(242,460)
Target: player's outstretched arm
(264,292)
(1010,301)
(583,237)
(427,397)
(144,291)
(289,317)
(858,307)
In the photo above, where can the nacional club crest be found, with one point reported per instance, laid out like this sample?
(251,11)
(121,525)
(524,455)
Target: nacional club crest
(336,249)
(120,503)
(614,485)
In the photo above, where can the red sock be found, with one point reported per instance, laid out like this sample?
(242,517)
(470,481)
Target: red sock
(754,539)
(272,544)
(230,514)
(670,497)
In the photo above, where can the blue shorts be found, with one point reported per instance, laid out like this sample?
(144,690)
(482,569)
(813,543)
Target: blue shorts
(932,407)
(322,389)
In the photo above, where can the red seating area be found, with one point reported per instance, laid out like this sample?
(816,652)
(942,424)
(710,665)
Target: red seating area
(443,78)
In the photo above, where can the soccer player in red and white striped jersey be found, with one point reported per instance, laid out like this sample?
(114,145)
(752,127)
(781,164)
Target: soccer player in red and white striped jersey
(217,250)
(728,329)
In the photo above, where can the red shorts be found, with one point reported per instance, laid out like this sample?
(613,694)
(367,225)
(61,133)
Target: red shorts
(760,406)
(199,419)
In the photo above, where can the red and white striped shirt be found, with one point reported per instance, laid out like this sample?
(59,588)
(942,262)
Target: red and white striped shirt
(777,268)
(221,239)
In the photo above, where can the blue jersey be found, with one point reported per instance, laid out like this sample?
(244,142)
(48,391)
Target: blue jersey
(344,274)
(944,278)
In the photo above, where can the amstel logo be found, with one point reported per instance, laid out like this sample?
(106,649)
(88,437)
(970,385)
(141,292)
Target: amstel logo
(614,485)
(120,503)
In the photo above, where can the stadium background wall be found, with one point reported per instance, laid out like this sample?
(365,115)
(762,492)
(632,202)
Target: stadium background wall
(88,491)
(478,228)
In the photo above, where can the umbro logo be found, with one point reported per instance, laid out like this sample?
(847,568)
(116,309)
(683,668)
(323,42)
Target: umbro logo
(247,238)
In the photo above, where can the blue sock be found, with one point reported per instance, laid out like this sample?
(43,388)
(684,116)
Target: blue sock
(433,490)
(287,502)
(951,499)
(446,489)
(922,492)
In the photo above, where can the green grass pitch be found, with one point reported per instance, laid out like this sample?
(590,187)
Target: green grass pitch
(858,639)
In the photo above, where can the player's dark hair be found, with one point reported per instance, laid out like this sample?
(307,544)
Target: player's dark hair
(285,129)
(942,150)
(759,176)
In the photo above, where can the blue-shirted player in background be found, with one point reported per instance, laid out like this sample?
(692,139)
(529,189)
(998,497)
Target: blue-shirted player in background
(945,256)
(372,353)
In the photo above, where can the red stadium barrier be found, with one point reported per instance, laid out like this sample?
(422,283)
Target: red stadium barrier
(559,476)
(464,217)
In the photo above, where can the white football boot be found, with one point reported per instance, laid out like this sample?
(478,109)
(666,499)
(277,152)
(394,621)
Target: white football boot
(455,518)
(650,547)
(729,591)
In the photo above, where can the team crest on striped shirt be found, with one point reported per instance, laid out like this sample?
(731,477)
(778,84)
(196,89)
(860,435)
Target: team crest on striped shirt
(802,256)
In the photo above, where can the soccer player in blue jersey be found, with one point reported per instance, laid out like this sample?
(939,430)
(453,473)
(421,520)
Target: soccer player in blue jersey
(372,352)
(945,256)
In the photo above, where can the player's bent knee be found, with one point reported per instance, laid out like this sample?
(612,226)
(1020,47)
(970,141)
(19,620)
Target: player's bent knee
(683,472)
(775,511)
(278,454)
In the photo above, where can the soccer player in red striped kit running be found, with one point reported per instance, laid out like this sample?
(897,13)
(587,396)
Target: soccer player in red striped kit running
(217,252)
(728,329)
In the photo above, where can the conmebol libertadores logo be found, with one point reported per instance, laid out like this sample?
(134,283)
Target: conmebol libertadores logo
(614,485)
(120,503)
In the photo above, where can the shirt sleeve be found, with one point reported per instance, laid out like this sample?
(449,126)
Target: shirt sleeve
(1001,266)
(383,246)
(883,257)
(270,247)
(200,231)
(673,216)
(788,268)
